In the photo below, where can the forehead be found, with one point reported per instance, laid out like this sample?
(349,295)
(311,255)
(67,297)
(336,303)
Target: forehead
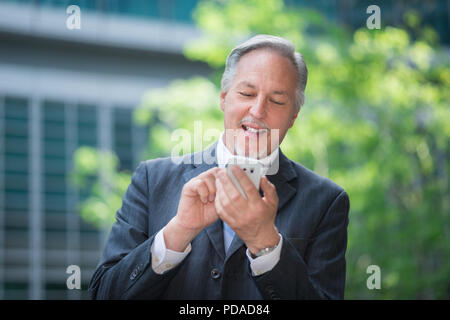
(265,65)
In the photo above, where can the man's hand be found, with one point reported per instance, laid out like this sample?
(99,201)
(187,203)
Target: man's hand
(253,219)
(196,211)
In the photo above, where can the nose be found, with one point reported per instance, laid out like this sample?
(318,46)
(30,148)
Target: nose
(258,108)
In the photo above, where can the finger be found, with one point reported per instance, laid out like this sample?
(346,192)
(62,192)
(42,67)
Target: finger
(202,190)
(209,178)
(211,171)
(269,190)
(230,189)
(227,210)
(222,213)
(219,208)
(210,182)
(246,184)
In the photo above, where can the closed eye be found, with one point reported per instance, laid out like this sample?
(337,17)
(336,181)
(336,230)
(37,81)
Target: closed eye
(277,102)
(245,94)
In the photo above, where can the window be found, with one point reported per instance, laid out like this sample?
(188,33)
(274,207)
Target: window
(35,168)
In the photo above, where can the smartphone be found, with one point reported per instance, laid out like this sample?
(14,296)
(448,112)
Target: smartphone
(251,167)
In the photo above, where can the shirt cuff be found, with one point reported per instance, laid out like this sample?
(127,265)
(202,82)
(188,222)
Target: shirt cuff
(266,262)
(164,259)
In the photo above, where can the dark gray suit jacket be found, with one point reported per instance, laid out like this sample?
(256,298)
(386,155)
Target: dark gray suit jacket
(312,217)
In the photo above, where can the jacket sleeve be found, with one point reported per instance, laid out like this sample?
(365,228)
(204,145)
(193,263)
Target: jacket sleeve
(125,271)
(320,272)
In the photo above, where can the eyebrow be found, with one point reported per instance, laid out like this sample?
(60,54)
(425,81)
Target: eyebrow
(280,92)
(250,85)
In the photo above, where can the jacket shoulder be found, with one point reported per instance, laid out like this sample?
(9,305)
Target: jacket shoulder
(315,182)
(165,167)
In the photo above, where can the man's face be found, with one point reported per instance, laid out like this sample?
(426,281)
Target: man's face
(259,103)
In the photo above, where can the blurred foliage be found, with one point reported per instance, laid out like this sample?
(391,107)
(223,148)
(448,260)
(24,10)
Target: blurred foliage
(376,121)
(97,171)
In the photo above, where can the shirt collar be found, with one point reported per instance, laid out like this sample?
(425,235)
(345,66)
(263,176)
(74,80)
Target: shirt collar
(224,155)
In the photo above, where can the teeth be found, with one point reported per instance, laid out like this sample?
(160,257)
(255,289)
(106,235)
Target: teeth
(253,130)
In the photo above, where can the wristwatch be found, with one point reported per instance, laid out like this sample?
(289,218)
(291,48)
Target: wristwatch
(263,251)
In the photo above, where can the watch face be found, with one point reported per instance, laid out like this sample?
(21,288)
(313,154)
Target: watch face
(264,251)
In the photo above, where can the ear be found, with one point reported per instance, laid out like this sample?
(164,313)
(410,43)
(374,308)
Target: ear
(293,119)
(222,100)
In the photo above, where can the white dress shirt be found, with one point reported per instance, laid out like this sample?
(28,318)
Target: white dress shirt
(164,259)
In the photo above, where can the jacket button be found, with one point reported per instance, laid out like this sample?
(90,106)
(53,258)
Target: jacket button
(271,291)
(215,273)
(135,273)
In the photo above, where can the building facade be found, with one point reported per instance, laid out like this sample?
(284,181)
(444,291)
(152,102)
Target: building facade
(60,89)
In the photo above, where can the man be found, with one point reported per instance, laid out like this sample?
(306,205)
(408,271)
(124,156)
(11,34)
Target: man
(185,232)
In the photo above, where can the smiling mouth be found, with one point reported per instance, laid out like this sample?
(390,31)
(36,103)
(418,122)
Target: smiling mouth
(253,130)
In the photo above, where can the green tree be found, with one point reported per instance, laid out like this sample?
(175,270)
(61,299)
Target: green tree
(375,121)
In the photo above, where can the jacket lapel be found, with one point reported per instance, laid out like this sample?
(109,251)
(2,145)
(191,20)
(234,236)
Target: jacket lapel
(215,235)
(201,162)
(281,180)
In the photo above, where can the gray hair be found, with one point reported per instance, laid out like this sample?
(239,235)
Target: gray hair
(282,46)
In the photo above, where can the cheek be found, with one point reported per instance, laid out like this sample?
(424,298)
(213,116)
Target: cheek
(231,117)
(234,110)
(282,123)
